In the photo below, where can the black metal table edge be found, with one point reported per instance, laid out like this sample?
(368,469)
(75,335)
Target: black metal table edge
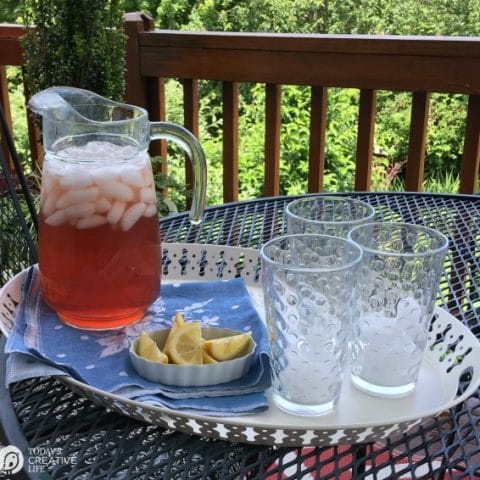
(10,429)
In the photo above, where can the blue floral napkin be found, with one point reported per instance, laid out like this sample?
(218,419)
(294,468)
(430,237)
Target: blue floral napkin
(101,359)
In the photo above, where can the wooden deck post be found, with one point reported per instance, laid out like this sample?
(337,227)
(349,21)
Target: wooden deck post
(230,141)
(318,129)
(137,89)
(417,141)
(366,131)
(471,148)
(272,140)
(190,114)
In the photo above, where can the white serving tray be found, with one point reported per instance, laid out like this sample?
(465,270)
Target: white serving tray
(451,351)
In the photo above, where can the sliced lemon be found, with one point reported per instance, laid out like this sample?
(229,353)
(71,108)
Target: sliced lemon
(178,321)
(185,344)
(206,357)
(226,348)
(149,350)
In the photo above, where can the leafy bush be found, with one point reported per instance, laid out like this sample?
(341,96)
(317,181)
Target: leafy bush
(80,44)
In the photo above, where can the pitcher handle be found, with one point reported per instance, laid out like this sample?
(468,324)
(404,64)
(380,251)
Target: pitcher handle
(184,138)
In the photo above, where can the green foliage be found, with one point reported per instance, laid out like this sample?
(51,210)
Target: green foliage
(73,27)
(409,17)
(80,44)
(445,134)
(341,139)
(170,192)
(252,143)
(10,10)
(19,115)
(174,15)
(446,182)
(258,15)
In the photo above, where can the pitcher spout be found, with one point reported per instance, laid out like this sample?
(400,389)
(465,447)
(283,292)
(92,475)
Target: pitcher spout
(59,102)
(71,111)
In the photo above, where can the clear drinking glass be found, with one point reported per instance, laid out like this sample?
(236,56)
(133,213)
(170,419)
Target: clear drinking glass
(327,215)
(308,283)
(397,286)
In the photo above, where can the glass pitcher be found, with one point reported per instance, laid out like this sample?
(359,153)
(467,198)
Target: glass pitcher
(99,237)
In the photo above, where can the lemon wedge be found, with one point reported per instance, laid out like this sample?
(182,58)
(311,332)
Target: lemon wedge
(149,350)
(184,344)
(227,348)
(178,321)
(206,357)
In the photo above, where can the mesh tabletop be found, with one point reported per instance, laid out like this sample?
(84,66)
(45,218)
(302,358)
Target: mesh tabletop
(12,259)
(94,443)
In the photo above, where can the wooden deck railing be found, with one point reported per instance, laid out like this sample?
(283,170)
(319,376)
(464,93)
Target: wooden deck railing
(420,65)
(416,64)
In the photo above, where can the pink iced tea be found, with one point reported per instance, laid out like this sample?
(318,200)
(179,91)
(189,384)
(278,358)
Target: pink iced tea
(99,240)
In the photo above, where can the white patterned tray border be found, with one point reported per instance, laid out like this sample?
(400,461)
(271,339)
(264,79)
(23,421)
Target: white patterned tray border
(452,350)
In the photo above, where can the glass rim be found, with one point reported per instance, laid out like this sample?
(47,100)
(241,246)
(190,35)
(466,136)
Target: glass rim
(427,230)
(264,257)
(332,199)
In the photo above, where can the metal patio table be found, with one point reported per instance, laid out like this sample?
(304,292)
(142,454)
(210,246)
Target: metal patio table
(45,413)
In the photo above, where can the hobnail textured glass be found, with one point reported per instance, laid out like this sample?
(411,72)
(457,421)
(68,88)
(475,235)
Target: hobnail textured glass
(396,286)
(308,283)
(326,215)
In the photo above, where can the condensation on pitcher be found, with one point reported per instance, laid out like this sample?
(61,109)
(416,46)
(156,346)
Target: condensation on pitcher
(94,193)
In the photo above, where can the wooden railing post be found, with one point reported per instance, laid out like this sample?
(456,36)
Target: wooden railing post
(230,141)
(471,148)
(318,129)
(272,140)
(190,114)
(417,141)
(156,111)
(137,88)
(366,131)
